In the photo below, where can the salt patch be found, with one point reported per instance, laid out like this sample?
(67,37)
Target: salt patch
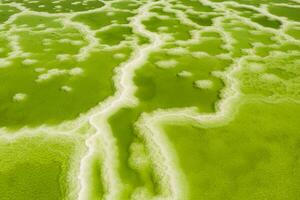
(76,71)
(50,73)
(204,84)
(165,64)
(28,61)
(63,57)
(184,74)
(66,88)
(19,97)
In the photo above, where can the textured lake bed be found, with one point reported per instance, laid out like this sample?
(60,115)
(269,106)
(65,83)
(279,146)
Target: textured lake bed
(149,99)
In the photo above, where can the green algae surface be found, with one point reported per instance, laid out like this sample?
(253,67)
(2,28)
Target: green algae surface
(149,99)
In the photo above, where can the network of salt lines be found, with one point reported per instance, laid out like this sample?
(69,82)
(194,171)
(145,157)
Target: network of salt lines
(133,23)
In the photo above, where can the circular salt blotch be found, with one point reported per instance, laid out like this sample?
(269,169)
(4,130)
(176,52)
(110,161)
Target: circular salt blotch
(217,73)
(43,77)
(76,71)
(29,62)
(66,88)
(256,67)
(203,84)
(166,64)
(19,97)
(119,56)
(50,73)
(184,74)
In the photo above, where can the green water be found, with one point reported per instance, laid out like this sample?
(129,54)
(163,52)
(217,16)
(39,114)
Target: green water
(255,156)
(144,99)
(36,167)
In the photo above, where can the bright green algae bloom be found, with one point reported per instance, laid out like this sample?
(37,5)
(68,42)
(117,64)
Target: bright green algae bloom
(51,74)
(57,7)
(124,64)
(46,98)
(36,167)
(254,156)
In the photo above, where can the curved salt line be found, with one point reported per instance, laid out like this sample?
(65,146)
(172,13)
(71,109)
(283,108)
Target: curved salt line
(225,111)
(74,124)
(74,14)
(123,97)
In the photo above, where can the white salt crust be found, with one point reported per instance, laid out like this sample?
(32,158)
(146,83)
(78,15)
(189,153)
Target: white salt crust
(149,125)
